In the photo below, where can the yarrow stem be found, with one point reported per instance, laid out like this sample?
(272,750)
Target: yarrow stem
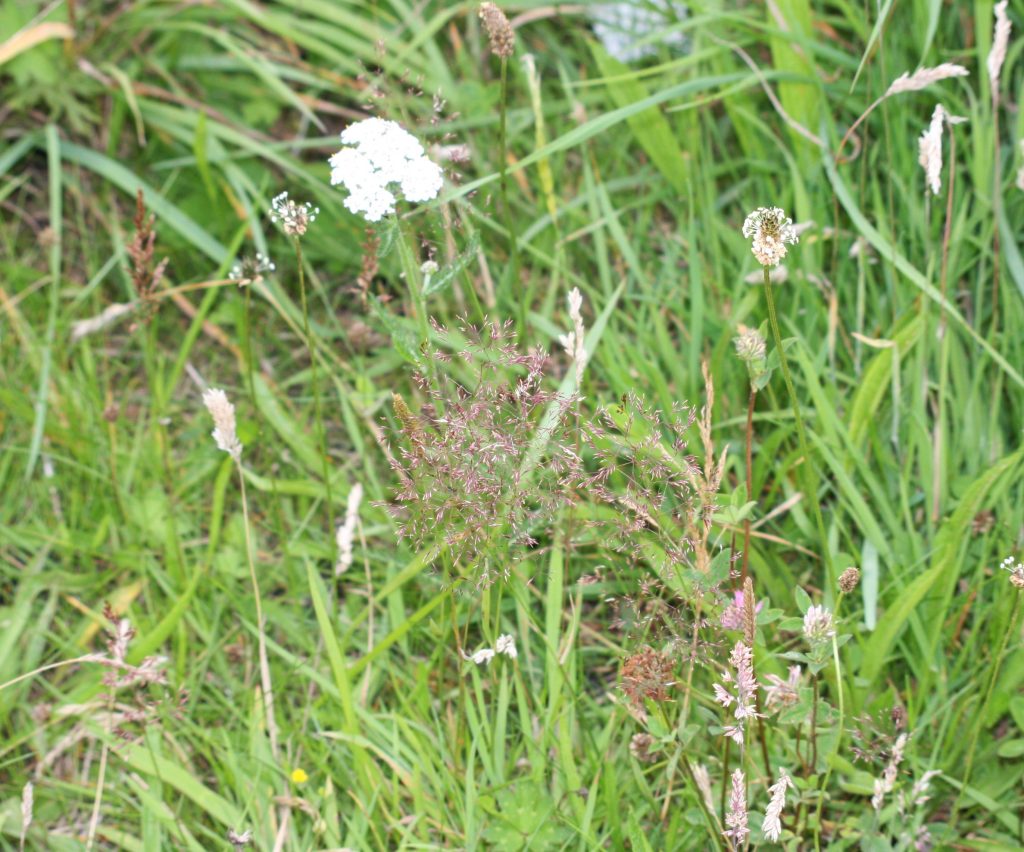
(314,381)
(809,487)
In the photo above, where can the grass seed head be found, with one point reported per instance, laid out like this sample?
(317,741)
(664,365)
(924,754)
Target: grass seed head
(499,31)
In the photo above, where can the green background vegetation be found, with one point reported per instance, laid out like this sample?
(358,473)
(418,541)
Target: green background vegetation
(629,182)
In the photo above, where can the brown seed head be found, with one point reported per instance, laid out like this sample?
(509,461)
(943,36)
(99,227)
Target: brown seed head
(647,674)
(748,612)
(849,579)
(640,748)
(499,30)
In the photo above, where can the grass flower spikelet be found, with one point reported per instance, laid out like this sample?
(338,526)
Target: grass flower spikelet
(736,816)
(772,825)
(223,414)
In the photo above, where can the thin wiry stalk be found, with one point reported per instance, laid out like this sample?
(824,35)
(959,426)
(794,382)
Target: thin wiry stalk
(749,442)
(503,165)
(314,378)
(268,689)
(839,728)
(809,489)
(942,332)
(94,820)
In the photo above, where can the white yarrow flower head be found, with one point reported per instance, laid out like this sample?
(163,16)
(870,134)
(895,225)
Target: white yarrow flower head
(769,229)
(380,160)
(506,645)
(1016,570)
(772,825)
(250,270)
(294,217)
(223,414)
(818,625)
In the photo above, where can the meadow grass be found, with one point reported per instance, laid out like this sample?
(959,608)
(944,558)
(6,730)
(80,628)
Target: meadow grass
(892,444)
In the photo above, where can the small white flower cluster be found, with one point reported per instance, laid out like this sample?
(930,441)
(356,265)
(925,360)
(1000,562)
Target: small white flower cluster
(506,645)
(250,270)
(223,413)
(381,154)
(294,217)
(770,229)
(1016,571)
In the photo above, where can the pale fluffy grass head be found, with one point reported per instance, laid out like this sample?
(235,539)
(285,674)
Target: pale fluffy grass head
(223,414)
(924,77)
(1000,40)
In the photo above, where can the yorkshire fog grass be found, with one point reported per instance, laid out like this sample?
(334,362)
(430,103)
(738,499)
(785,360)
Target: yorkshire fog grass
(539,514)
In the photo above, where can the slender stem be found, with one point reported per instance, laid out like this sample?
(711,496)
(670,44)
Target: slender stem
(503,165)
(268,689)
(710,816)
(809,487)
(750,480)
(997,190)
(317,411)
(94,820)
(983,712)
(839,735)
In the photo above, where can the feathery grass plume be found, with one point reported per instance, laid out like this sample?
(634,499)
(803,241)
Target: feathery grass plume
(223,414)
(922,78)
(703,781)
(1000,40)
(930,150)
(491,462)
(906,82)
(26,813)
(293,216)
(109,315)
(572,342)
(346,534)
(887,781)
(772,825)
(380,159)
(745,696)
(736,816)
(848,580)
(769,229)
(499,31)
